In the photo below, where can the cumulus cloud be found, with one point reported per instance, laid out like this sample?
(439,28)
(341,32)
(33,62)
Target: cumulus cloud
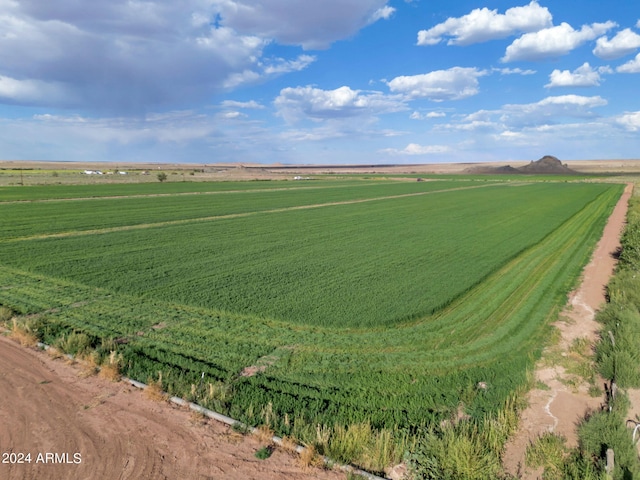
(285,66)
(550,111)
(28,91)
(514,71)
(416,149)
(119,55)
(428,115)
(623,43)
(632,66)
(630,121)
(251,104)
(584,76)
(453,84)
(130,57)
(313,25)
(298,103)
(483,24)
(553,41)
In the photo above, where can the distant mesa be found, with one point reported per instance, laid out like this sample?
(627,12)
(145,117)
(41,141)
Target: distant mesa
(547,165)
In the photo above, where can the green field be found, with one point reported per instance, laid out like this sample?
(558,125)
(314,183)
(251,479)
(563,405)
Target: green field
(361,300)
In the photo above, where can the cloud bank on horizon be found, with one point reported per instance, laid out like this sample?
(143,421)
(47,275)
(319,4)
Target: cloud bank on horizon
(349,81)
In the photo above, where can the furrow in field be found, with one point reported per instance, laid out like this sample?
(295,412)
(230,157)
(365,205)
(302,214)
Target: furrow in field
(184,194)
(143,226)
(395,374)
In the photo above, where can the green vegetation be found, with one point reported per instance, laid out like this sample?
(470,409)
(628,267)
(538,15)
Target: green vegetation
(264,453)
(352,310)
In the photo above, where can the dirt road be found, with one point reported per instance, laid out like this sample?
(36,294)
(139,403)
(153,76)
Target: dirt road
(105,430)
(559,407)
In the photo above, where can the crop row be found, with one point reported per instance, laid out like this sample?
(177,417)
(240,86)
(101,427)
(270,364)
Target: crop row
(32,193)
(354,265)
(25,219)
(519,251)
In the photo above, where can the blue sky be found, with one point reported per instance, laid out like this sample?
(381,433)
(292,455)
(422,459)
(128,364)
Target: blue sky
(337,81)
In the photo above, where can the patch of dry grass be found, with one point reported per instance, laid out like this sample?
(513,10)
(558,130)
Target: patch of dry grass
(88,365)
(309,457)
(264,434)
(110,369)
(289,444)
(154,390)
(22,333)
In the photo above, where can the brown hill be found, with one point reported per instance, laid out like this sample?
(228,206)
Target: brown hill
(547,165)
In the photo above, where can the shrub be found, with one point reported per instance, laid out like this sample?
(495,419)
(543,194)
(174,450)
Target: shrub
(264,453)
(74,343)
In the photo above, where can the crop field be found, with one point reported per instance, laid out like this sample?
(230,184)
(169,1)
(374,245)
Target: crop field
(345,301)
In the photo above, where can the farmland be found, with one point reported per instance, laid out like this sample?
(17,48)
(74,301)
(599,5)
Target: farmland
(355,300)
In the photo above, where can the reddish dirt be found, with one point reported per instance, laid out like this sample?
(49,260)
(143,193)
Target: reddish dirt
(47,406)
(561,407)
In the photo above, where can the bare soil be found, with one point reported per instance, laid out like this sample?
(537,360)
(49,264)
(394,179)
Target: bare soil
(38,172)
(562,404)
(47,407)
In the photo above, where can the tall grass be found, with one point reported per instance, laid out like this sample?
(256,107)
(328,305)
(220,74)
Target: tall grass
(467,450)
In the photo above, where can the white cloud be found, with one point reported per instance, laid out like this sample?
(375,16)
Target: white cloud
(583,76)
(471,126)
(131,57)
(483,24)
(171,127)
(28,91)
(120,55)
(285,66)
(251,104)
(632,66)
(630,121)
(383,13)
(553,41)
(551,110)
(514,71)
(514,117)
(453,84)
(312,103)
(428,115)
(625,42)
(416,149)
(313,25)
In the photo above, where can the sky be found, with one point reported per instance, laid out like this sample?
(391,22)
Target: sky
(329,82)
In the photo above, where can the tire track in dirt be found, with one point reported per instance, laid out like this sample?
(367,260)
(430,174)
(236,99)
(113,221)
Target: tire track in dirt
(560,408)
(47,407)
(185,194)
(142,226)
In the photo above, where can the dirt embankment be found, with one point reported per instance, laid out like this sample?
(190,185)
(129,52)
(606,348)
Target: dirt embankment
(102,430)
(561,405)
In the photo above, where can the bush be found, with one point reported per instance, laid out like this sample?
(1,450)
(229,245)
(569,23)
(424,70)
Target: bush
(604,430)
(5,314)
(74,343)
(455,455)
(264,453)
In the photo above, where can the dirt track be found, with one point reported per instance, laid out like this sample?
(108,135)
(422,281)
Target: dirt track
(560,407)
(45,406)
